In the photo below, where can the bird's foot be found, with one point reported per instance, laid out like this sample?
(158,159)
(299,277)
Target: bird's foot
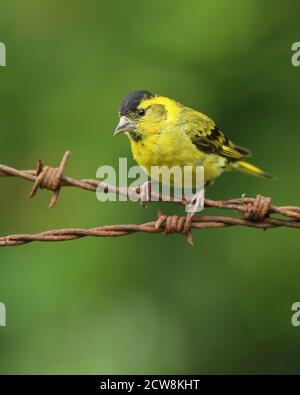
(196,204)
(145,193)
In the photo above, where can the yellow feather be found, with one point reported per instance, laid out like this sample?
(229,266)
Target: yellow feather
(170,134)
(251,169)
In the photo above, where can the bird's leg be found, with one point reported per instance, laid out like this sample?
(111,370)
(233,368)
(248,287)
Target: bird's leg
(194,204)
(145,193)
(197,200)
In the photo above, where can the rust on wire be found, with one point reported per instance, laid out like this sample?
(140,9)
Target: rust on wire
(255,212)
(175,224)
(48,177)
(197,222)
(258,209)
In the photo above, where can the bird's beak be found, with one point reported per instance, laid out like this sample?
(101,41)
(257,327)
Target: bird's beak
(124,125)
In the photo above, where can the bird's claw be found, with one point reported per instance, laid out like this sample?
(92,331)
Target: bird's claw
(196,204)
(145,193)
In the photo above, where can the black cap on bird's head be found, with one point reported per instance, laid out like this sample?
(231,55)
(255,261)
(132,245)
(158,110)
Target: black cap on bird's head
(129,112)
(132,101)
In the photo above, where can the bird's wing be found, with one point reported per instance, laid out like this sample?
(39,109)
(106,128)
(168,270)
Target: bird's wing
(208,137)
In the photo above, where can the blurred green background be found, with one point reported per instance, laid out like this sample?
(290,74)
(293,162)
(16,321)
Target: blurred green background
(147,303)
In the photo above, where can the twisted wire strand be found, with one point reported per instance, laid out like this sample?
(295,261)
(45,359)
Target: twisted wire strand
(205,222)
(256,212)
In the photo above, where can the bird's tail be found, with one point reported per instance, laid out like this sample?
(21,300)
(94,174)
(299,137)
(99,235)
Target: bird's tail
(251,169)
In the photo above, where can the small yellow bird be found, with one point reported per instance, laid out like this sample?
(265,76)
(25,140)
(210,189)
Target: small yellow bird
(163,132)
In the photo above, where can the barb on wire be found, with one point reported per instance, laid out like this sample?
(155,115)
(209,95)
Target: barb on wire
(256,212)
(49,178)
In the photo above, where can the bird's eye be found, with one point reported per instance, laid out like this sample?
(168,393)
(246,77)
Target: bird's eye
(141,112)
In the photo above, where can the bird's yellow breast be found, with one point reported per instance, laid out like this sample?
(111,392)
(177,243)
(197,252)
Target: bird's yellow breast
(174,148)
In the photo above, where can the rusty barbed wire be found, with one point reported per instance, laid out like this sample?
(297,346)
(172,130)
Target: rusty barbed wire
(197,222)
(256,211)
